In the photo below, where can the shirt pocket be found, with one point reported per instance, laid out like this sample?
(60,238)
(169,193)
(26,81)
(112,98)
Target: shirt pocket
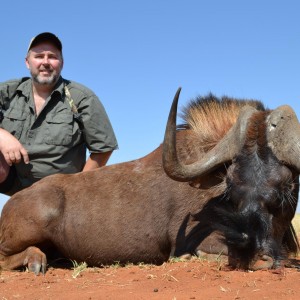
(59,128)
(13,121)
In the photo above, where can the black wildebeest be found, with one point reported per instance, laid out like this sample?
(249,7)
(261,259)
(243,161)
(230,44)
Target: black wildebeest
(230,186)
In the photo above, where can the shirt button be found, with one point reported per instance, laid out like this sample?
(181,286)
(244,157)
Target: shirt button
(30,134)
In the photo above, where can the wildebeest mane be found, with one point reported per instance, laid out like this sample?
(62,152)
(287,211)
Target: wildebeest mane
(210,117)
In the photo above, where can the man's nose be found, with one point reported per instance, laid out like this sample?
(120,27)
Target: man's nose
(46,60)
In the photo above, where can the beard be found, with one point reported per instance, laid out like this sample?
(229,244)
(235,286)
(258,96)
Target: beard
(50,80)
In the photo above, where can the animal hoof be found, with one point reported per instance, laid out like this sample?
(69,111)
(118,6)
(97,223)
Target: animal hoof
(35,268)
(186,256)
(266,262)
(36,260)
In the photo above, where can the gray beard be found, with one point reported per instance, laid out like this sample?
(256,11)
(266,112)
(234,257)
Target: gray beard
(45,81)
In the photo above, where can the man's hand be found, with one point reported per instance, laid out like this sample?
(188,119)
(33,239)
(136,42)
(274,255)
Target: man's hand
(12,149)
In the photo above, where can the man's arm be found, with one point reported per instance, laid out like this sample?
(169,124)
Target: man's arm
(96,160)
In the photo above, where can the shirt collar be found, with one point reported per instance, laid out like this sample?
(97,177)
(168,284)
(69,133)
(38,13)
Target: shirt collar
(59,87)
(26,87)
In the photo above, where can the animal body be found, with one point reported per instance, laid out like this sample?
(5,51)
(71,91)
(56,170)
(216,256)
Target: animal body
(225,182)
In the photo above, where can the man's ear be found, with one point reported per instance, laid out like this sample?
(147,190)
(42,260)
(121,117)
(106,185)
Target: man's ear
(26,62)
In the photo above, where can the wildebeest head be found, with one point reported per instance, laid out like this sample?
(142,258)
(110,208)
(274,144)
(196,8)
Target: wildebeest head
(261,153)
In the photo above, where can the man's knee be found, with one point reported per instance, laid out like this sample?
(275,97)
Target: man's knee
(9,181)
(4,169)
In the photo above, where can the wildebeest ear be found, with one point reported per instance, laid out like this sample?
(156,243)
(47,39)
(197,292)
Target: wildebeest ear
(283,135)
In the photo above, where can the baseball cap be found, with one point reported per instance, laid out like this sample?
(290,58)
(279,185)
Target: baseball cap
(45,37)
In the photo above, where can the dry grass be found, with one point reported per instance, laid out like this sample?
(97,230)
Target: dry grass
(296,224)
(78,268)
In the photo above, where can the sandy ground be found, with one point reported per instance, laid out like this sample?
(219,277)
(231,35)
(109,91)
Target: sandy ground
(195,279)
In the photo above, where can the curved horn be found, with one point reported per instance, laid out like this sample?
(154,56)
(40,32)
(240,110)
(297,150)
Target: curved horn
(283,135)
(224,151)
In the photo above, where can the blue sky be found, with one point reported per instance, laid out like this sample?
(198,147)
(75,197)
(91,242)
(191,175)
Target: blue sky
(134,54)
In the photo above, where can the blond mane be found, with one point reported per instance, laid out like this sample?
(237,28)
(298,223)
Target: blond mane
(210,117)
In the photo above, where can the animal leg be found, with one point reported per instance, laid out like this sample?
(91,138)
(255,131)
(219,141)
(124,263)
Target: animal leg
(28,219)
(33,257)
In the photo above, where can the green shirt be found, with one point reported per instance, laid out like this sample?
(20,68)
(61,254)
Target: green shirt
(56,139)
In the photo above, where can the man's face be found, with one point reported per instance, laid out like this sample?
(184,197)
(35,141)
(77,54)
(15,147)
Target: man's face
(45,63)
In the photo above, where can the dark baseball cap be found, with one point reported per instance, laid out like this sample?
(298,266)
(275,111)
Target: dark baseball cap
(45,37)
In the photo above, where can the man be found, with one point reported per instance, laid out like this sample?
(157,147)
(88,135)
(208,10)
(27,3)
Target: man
(47,122)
